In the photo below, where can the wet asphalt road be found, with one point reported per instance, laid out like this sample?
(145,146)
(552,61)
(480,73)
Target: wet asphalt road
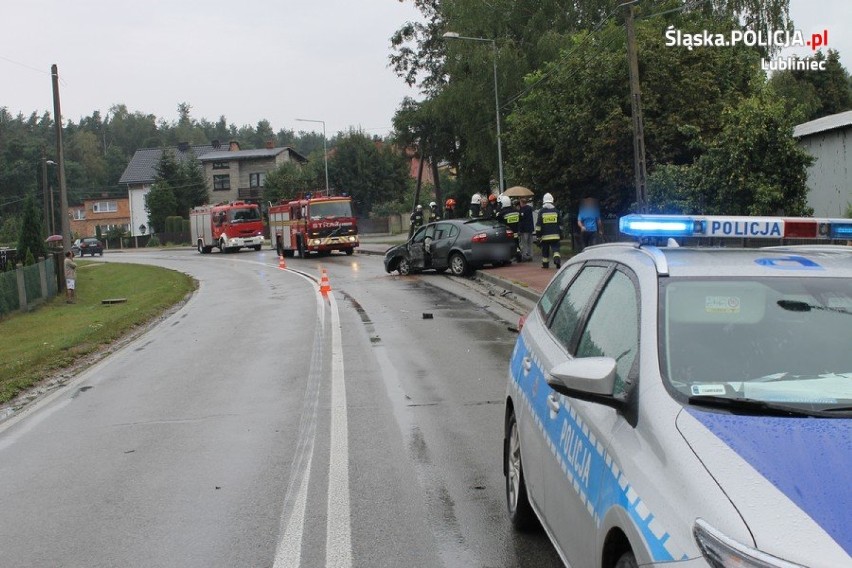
(262,426)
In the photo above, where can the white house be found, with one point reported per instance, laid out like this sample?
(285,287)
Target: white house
(828,140)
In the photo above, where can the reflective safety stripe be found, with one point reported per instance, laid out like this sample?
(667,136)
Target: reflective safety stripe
(589,468)
(549,217)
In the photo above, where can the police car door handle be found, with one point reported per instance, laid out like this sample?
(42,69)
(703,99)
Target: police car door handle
(553,403)
(527,365)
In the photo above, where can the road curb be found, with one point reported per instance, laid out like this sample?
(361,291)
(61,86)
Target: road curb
(516,288)
(370,252)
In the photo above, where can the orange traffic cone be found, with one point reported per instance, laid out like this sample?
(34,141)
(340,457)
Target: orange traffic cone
(281,264)
(325,285)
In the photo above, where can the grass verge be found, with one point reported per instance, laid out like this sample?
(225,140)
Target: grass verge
(37,344)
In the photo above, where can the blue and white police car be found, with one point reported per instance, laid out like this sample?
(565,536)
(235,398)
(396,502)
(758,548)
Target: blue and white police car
(689,406)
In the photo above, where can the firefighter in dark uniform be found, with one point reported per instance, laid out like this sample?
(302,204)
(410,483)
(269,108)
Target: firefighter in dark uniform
(511,217)
(548,230)
(417,217)
(475,206)
(434,212)
(450,208)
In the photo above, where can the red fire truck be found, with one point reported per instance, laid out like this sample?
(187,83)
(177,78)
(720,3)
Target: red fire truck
(313,222)
(227,226)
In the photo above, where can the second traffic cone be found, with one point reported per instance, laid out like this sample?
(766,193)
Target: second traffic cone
(325,285)
(281,264)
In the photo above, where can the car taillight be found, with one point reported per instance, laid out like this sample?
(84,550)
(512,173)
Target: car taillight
(479,238)
(521,322)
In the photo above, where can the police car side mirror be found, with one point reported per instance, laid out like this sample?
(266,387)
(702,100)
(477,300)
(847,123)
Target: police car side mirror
(586,378)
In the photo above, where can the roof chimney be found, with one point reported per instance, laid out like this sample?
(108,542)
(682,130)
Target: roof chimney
(270,144)
(183,146)
(233,146)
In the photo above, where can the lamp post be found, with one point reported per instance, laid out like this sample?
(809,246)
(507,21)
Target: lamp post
(454,35)
(324,147)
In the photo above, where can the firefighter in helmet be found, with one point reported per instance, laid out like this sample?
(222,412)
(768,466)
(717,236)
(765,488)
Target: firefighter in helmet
(434,212)
(548,230)
(511,217)
(450,208)
(417,217)
(475,206)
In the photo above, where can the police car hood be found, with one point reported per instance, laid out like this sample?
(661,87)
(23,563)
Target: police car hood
(790,479)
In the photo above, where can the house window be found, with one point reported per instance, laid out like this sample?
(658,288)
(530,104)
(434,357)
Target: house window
(221,183)
(104,207)
(221,165)
(257,180)
(79,215)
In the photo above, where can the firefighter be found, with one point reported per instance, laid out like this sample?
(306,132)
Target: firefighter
(434,212)
(417,217)
(475,206)
(511,217)
(450,208)
(548,231)
(490,207)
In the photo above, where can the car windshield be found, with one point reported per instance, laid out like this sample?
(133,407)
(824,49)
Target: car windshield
(774,340)
(326,209)
(244,214)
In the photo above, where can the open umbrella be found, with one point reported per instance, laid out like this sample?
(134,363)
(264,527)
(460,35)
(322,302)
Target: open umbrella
(53,239)
(518,191)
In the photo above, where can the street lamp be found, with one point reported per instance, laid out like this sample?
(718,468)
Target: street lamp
(454,35)
(324,147)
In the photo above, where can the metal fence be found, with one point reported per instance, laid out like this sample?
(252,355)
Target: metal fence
(23,288)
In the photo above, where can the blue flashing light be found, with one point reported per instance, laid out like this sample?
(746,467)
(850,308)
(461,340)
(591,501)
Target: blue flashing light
(657,226)
(841,230)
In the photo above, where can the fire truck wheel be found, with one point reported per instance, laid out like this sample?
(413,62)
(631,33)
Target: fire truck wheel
(350,251)
(403,267)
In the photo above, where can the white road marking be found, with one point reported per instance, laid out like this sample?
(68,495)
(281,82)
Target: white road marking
(288,553)
(338,531)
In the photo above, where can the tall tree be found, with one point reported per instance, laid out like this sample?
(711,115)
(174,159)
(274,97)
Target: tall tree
(31,238)
(369,170)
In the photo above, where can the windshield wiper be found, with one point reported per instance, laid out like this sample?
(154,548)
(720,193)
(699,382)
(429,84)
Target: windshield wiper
(750,406)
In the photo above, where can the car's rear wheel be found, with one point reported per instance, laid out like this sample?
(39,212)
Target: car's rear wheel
(256,247)
(517,501)
(403,267)
(350,251)
(627,560)
(458,264)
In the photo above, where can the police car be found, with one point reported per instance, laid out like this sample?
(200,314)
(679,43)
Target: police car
(690,406)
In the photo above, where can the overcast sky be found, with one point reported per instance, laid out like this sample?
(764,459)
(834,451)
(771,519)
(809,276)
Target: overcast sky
(249,59)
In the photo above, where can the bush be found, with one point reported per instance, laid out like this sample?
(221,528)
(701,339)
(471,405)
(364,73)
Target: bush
(153,241)
(29,260)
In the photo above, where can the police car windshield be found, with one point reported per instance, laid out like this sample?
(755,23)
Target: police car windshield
(330,209)
(776,340)
(243,215)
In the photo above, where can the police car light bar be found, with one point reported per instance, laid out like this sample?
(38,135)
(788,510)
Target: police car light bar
(735,227)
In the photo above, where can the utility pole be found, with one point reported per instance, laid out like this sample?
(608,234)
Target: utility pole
(636,111)
(44,190)
(60,161)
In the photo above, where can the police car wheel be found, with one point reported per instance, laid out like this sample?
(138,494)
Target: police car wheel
(520,511)
(627,560)
(403,267)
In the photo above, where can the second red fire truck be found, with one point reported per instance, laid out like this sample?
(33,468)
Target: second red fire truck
(226,226)
(313,222)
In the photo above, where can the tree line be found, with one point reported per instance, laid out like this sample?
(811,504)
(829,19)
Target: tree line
(718,131)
